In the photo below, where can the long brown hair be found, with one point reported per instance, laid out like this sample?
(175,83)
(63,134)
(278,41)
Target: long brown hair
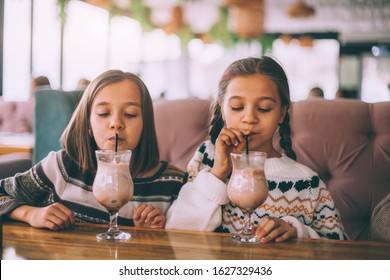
(249,66)
(80,146)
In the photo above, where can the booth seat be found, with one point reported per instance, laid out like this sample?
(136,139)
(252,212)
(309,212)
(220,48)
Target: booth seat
(53,109)
(15,117)
(347,142)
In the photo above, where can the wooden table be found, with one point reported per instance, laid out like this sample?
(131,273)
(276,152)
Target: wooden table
(80,243)
(16,143)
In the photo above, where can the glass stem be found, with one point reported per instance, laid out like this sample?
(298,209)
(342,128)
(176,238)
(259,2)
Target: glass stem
(248,224)
(113,221)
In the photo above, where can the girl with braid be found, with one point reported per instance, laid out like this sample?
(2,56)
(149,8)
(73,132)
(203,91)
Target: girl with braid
(253,101)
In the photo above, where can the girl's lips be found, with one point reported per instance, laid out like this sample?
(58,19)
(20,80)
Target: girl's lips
(112,141)
(113,138)
(250,136)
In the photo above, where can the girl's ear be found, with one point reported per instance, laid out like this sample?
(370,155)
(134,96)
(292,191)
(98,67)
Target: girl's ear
(283,114)
(90,133)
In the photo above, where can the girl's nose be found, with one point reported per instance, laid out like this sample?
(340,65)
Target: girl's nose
(250,116)
(116,123)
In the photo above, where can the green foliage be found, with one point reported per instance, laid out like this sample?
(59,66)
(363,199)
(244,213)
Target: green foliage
(62,10)
(141,13)
(219,31)
(266,41)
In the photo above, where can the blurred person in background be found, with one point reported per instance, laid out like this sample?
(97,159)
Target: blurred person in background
(316,92)
(37,83)
(82,84)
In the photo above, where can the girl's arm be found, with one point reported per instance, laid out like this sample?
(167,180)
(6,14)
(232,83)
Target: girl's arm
(198,206)
(55,216)
(21,199)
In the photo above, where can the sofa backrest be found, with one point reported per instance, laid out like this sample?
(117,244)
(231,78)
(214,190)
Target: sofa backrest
(16,116)
(53,109)
(347,142)
(181,125)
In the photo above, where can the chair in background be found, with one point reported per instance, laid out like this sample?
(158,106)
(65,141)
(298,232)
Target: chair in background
(15,118)
(53,110)
(10,164)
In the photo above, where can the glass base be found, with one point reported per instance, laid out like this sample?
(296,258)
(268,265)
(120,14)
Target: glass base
(245,239)
(118,235)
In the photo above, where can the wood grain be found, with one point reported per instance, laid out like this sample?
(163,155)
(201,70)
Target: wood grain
(80,243)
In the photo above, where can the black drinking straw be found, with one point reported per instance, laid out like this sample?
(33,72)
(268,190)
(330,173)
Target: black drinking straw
(246,149)
(116,143)
(246,145)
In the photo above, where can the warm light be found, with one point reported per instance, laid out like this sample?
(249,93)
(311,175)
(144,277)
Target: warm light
(301,10)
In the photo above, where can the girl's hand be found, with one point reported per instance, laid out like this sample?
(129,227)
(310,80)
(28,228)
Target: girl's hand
(275,229)
(229,140)
(54,217)
(147,216)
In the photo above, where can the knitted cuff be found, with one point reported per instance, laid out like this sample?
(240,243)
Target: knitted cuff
(211,187)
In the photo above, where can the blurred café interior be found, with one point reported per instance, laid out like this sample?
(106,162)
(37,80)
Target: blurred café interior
(181,47)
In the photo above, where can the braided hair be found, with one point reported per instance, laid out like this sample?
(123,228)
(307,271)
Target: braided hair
(250,66)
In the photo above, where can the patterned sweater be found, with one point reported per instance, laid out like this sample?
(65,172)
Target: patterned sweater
(296,195)
(57,179)
(380,220)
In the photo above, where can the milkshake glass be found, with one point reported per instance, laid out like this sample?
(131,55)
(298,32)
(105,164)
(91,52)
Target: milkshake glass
(113,187)
(247,189)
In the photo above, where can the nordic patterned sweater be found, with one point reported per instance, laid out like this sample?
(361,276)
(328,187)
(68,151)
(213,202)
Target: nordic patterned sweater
(296,195)
(57,179)
(380,220)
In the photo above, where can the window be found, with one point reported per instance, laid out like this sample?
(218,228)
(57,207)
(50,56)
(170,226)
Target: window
(308,67)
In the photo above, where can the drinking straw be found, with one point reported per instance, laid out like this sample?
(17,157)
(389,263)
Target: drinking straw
(246,145)
(247,150)
(116,143)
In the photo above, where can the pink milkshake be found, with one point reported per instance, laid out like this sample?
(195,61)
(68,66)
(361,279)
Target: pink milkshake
(248,189)
(112,188)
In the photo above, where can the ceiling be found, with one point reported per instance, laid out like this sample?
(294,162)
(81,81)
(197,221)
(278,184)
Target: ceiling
(354,20)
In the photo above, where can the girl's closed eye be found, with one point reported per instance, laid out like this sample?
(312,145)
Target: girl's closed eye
(131,115)
(236,108)
(103,114)
(265,110)
(132,112)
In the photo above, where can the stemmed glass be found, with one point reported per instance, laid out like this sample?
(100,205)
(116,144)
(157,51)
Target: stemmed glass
(247,189)
(113,187)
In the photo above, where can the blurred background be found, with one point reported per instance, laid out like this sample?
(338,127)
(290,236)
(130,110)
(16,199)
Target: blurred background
(181,47)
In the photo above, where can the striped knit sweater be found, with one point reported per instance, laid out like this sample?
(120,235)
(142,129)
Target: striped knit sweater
(296,195)
(380,220)
(57,179)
